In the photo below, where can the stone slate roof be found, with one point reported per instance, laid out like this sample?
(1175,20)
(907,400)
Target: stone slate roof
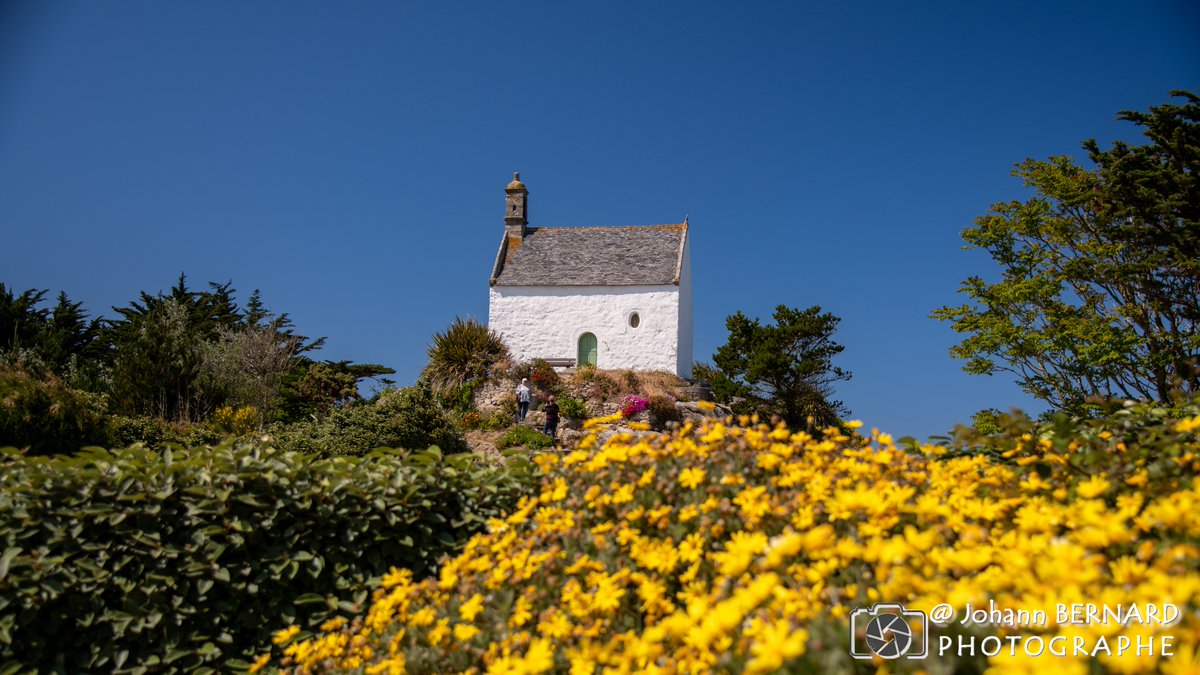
(641,255)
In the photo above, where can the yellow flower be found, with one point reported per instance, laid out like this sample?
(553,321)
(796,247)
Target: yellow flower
(521,613)
(285,635)
(464,632)
(539,658)
(392,666)
(691,548)
(333,624)
(1092,487)
(774,644)
(439,632)
(396,577)
(471,608)
(1185,425)
(623,494)
(259,663)
(691,477)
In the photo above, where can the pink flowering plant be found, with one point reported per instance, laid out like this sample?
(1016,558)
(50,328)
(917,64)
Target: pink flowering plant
(631,405)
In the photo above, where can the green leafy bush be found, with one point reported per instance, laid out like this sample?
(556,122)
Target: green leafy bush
(138,561)
(501,419)
(44,415)
(122,431)
(532,439)
(407,418)
(572,407)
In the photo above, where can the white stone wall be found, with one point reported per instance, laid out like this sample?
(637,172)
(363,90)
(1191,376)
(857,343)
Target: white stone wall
(546,322)
(685,359)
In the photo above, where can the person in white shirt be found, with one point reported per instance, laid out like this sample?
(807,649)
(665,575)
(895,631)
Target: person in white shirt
(522,399)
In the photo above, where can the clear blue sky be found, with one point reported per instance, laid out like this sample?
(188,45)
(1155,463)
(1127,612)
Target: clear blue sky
(349,158)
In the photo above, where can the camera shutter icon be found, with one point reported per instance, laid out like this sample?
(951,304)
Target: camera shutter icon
(889,636)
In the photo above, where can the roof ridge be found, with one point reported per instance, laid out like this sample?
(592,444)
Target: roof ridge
(599,227)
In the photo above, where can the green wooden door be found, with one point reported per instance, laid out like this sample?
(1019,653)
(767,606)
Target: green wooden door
(587,349)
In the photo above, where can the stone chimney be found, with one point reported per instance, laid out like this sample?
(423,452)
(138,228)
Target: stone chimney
(516,207)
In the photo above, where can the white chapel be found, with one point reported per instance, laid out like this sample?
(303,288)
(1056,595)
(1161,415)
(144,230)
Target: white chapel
(615,297)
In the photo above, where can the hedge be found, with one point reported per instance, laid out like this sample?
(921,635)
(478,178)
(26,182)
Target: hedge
(135,561)
(405,418)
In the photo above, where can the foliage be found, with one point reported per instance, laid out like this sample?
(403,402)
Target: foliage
(630,379)
(44,415)
(508,409)
(460,399)
(153,432)
(138,561)
(572,407)
(316,388)
(1099,272)
(744,549)
(631,405)
(157,349)
(465,353)
(662,409)
(471,420)
(705,372)
(179,355)
(520,435)
(407,418)
(502,418)
(784,369)
(54,337)
(593,383)
(235,422)
(246,365)
(986,421)
(544,377)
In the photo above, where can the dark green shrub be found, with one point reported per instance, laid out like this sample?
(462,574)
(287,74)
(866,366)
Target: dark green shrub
(572,407)
(522,435)
(122,431)
(139,561)
(44,415)
(407,418)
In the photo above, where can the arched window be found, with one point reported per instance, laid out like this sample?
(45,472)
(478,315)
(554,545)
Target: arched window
(587,349)
(634,320)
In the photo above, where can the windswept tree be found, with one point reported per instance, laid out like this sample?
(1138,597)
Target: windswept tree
(248,363)
(53,339)
(783,369)
(1099,289)
(21,320)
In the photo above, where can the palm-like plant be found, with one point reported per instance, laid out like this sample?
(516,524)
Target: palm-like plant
(464,353)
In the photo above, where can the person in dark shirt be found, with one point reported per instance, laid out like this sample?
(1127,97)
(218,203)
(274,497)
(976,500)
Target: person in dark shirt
(551,410)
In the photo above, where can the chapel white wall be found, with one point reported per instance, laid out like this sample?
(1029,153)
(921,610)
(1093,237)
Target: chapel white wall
(546,322)
(684,360)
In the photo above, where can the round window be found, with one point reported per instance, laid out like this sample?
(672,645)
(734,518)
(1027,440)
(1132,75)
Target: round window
(634,320)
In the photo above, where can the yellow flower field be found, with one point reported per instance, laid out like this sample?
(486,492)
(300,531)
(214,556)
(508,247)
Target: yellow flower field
(733,546)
